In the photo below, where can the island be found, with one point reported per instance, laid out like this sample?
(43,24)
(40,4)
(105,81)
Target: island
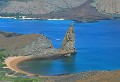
(16,48)
(79,10)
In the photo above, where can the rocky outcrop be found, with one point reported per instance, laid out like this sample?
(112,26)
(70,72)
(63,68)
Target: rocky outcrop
(36,44)
(68,42)
(43,46)
(69,39)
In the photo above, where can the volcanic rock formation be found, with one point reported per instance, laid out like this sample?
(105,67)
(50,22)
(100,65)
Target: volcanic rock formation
(43,46)
(69,41)
(36,44)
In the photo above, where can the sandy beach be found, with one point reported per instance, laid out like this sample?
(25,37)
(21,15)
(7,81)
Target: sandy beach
(110,76)
(12,63)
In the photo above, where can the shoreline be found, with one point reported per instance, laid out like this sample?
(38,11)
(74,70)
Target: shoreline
(28,18)
(57,19)
(95,76)
(12,63)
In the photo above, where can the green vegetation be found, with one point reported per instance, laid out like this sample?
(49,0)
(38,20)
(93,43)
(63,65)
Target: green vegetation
(13,77)
(3,55)
(18,79)
(16,15)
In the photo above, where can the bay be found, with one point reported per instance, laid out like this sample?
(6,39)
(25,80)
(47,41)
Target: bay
(97,44)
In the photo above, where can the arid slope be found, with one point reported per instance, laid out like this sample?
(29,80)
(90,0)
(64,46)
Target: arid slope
(65,9)
(16,41)
(113,76)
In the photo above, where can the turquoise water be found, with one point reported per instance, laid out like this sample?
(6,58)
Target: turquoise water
(97,44)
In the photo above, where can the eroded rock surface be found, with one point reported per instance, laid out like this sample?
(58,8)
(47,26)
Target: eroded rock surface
(69,41)
(42,46)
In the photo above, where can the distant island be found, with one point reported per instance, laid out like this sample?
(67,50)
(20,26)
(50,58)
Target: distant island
(79,10)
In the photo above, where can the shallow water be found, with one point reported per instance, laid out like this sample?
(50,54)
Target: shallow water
(97,44)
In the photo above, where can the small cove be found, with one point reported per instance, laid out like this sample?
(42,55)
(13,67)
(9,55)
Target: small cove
(97,44)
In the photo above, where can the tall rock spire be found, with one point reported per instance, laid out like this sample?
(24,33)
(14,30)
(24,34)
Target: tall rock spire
(69,41)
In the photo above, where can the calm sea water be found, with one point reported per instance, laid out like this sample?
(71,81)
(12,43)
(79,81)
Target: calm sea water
(97,44)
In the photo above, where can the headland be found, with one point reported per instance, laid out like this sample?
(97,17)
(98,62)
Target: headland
(37,47)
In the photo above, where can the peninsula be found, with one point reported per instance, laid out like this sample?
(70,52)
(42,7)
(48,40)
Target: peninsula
(27,47)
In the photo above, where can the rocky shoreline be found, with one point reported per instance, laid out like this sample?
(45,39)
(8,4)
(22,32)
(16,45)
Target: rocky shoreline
(94,76)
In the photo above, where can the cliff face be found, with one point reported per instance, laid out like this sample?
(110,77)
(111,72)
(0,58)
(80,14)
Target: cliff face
(68,42)
(69,39)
